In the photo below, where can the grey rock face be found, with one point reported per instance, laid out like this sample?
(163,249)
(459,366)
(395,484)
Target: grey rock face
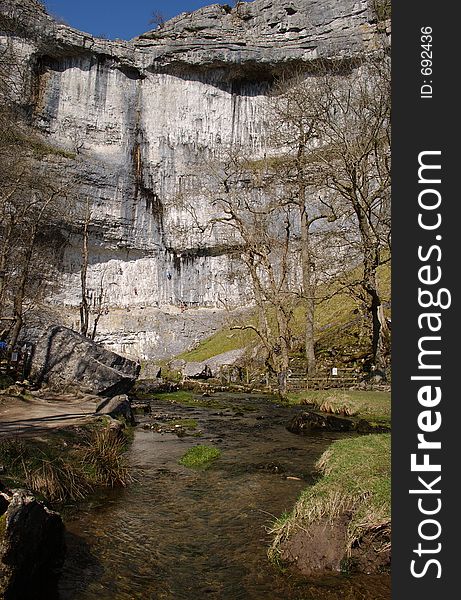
(63,358)
(145,124)
(32,550)
(117,407)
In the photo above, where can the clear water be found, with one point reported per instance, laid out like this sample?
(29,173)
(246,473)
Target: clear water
(186,535)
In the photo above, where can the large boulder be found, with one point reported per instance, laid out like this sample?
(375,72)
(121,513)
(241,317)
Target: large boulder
(32,548)
(65,358)
(117,407)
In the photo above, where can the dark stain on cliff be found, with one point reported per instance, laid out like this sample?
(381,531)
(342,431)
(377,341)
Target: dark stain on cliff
(152,200)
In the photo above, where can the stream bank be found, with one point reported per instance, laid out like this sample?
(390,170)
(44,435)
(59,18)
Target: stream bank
(180,533)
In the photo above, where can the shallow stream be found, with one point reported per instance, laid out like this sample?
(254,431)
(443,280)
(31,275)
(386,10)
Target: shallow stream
(182,534)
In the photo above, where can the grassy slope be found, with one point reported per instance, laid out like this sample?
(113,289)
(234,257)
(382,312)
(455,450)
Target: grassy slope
(356,471)
(222,341)
(345,486)
(337,325)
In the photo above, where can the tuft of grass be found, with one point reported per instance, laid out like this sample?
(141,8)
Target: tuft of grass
(67,465)
(356,479)
(200,457)
(373,406)
(41,470)
(103,459)
(56,480)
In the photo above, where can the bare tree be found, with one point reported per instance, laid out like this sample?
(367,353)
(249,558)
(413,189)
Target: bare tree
(92,305)
(353,162)
(295,129)
(29,203)
(100,307)
(263,232)
(157,19)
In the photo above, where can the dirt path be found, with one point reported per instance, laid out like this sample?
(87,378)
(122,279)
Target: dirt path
(33,416)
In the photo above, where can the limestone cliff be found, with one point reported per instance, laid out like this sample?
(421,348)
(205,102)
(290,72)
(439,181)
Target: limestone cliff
(142,121)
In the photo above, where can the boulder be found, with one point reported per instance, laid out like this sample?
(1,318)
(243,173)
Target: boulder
(65,358)
(32,548)
(308,420)
(117,407)
(197,370)
(211,367)
(305,421)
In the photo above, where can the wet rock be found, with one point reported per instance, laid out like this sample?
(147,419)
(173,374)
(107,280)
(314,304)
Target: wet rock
(63,357)
(117,407)
(32,548)
(141,408)
(363,426)
(310,419)
(270,467)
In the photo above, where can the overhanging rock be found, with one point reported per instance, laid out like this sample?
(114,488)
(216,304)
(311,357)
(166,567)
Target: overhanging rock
(65,358)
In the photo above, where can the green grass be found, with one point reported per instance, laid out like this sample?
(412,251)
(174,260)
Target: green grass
(356,480)
(373,406)
(186,398)
(200,457)
(182,396)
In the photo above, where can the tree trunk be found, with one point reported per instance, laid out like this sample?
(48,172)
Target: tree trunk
(307,265)
(380,331)
(308,291)
(371,262)
(282,379)
(5,251)
(20,294)
(284,359)
(18,322)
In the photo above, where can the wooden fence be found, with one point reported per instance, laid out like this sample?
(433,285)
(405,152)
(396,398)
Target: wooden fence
(340,378)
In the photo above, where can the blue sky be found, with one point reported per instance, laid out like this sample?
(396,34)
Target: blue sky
(123,19)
